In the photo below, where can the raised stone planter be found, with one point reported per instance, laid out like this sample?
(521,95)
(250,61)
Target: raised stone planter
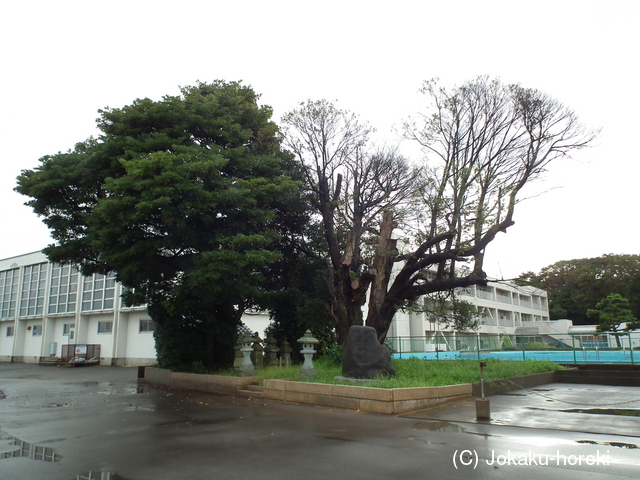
(351,397)
(367,399)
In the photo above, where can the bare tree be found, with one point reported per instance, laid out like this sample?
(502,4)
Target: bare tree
(484,142)
(351,188)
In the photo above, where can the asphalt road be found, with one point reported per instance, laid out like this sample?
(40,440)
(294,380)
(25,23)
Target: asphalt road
(57,423)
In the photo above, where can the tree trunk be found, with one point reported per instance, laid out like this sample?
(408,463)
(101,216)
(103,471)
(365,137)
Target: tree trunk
(380,310)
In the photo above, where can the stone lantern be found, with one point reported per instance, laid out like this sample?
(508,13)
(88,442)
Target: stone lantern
(257,357)
(308,343)
(270,351)
(285,353)
(246,367)
(237,360)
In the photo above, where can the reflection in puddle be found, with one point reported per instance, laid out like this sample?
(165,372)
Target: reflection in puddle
(114,389)
(609,444)
(26,449)
(606,411)
(132,407)
(100,476)
(596,411)
(440,427)
(446,427)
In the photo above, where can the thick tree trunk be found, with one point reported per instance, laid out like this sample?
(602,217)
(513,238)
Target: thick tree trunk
(380,314)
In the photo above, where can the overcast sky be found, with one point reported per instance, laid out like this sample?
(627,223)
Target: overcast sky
(62,61)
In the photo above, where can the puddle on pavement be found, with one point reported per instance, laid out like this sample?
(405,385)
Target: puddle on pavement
(445,427)
(100,476)
(439,427)
(595,411)
(625,412)
(132,407)
(342,439)
(29,450)
(423,440)
(128,389)
(609,444)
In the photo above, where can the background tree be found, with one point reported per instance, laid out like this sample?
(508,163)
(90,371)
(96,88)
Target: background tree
(186,200)
(611,313)
(449,311)
(575,286)
(484,141)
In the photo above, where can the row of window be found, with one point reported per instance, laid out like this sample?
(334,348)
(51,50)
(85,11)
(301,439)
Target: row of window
(504,296)
(68,329)
(98,291)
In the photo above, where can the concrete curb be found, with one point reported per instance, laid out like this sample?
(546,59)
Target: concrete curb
(194,381)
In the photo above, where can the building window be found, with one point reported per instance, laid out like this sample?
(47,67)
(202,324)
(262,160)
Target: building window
(63,293)
(33,283)
(9,331)
(8,293)
(36,330)
(485,292)
(525,301)
(147,325)
(98,292)
(68,329)
(105,327)
(503,296)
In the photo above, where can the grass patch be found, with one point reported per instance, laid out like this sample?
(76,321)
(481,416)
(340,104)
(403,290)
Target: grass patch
(415,372)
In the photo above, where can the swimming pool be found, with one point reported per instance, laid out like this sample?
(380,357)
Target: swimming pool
(556,356)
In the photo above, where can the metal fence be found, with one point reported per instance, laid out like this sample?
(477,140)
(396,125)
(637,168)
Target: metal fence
(559,348)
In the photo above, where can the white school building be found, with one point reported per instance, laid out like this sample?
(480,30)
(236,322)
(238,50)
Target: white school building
(45,306)
(506,310)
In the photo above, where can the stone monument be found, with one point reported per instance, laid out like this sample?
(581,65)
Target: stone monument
(363,355)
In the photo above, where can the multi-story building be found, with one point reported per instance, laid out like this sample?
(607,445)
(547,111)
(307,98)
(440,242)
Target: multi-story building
(506,310)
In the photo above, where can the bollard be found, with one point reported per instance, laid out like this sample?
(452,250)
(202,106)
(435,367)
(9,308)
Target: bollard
(483,407)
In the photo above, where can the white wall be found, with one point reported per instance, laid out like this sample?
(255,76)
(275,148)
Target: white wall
(32,343)
(140,347)
(6,343)
(105,340)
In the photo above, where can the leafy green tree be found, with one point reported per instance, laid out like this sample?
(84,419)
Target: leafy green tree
(451,312)
(610,313)
(575,286)
(187,200)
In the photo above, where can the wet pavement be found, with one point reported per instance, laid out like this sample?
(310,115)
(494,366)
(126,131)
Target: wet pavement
(60,423)
(569,407)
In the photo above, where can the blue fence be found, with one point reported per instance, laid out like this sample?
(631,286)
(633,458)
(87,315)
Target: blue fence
(560,348)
